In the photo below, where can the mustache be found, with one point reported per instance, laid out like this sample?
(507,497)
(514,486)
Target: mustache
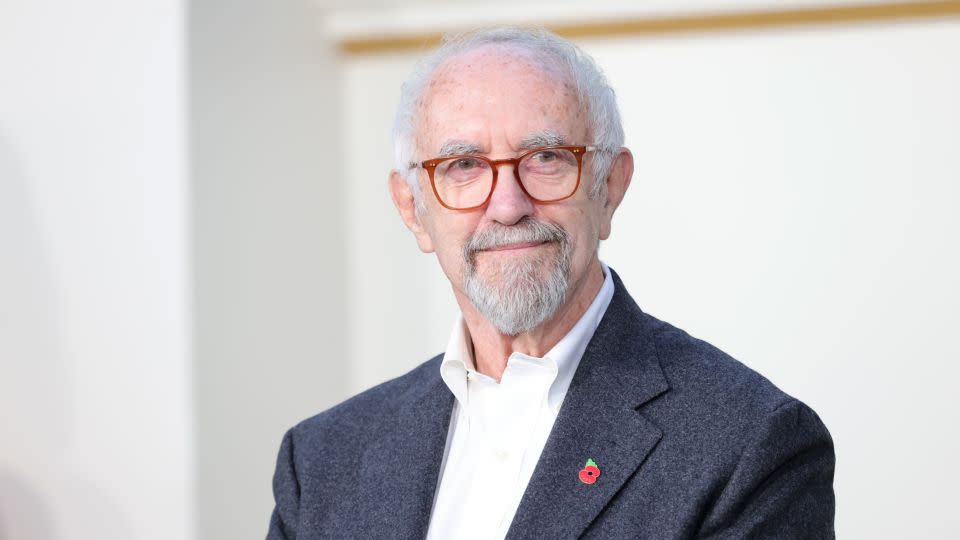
(525,230)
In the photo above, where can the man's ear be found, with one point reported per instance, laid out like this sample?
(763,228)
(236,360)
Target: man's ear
(621,172)
(407,206)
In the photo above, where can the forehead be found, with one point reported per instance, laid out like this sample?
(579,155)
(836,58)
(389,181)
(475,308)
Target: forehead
(495,94)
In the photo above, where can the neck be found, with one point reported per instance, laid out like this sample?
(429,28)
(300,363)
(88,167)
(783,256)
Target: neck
(491,349)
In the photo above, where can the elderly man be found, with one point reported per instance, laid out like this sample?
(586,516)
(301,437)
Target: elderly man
(559,409)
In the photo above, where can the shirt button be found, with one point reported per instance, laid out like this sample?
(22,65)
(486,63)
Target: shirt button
(502,455)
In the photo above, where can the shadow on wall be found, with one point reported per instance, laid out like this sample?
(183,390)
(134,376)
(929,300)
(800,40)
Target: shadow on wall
(31,389)
(23,513)
(38,491)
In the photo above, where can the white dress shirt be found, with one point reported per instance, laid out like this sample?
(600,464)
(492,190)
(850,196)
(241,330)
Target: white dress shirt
(497,431)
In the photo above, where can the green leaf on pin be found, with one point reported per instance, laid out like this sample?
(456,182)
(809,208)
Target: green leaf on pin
(591,462)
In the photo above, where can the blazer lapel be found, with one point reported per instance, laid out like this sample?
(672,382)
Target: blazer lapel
(403,466)
(598,420)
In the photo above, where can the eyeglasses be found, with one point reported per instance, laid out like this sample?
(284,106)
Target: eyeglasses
(466,182)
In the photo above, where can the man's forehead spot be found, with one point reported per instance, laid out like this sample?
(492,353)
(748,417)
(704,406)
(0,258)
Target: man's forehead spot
(447,94)
(449,88)
(498,57)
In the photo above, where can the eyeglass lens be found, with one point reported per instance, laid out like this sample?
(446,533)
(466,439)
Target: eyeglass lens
(547,175)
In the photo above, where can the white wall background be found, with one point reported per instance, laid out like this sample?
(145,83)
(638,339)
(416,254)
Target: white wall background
(95,384)
(794,203)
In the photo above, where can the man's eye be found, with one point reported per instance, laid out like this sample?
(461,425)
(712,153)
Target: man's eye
(545,156)
(465,163)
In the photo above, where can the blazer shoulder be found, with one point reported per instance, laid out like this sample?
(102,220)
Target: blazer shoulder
(705,378)
(372,407)
(706,385)
(763,447)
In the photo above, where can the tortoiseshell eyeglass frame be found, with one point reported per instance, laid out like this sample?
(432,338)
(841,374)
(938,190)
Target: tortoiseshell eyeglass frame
(430,166)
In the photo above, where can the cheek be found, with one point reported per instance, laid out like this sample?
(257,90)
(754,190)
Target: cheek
(449,234)
(587,216)
(450,253)
(584,230)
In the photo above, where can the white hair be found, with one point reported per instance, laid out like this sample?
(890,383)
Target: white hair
(593,91)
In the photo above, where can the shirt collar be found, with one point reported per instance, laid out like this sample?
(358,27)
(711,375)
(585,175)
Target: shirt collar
(458,359)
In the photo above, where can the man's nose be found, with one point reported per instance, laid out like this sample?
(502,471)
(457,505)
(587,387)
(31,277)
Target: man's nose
(508,202)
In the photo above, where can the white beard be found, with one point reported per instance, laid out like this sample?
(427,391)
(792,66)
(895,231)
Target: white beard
(517,296)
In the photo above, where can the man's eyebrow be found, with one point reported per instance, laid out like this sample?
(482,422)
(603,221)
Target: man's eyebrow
(543,138)
(456,148)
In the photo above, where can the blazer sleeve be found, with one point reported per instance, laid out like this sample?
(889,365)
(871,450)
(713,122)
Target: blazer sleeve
(782,486)
(286,494)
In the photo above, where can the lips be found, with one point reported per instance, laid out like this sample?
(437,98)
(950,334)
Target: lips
(518,245)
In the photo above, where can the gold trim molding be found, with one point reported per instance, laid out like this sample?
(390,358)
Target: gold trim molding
(705,22)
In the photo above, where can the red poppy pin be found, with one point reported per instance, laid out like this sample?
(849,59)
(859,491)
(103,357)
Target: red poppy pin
(590,472)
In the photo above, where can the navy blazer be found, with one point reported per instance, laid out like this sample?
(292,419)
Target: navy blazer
(689,442)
